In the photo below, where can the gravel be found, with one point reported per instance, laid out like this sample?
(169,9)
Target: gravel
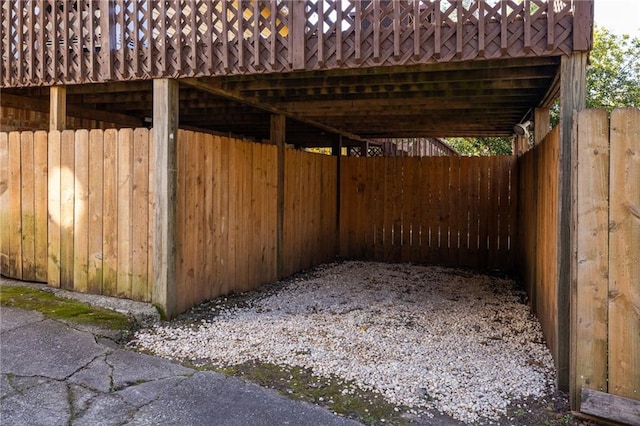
(423,337)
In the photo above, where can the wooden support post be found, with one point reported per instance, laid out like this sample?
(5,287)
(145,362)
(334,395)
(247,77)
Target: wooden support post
(57,108)
(541,124)
(278,134)
(164,160)
(520,144)
(572,99)
(364,149)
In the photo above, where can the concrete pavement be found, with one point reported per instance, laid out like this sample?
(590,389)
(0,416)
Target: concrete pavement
(53,373)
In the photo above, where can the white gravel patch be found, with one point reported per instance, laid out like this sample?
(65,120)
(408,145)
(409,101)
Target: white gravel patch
(423,337)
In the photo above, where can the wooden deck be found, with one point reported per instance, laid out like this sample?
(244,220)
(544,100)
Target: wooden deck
(419,68)
(49,42)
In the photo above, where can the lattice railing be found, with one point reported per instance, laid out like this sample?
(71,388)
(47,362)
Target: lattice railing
(47,42)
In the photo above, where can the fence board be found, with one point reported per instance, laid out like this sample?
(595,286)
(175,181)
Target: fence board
(95,212)
(28,226)
(15,221)
(139,215)
(80,216)
(125,152)
(590,361)
(110,213)
(4,203)
(624,246)
(53,208)
(67,196)
(40,201)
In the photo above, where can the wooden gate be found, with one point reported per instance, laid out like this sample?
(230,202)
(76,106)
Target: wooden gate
(606,303)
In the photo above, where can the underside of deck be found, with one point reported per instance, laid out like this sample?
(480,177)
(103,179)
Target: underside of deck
(360,69)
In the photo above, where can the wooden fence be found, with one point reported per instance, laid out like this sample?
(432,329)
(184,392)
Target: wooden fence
(226,216)
(538,232)
(48,42)
(310,210)
(457,211)
(606,314)
(76,212)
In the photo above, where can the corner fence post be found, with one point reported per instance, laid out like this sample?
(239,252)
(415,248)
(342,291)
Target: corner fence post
(572,99)
(164,161)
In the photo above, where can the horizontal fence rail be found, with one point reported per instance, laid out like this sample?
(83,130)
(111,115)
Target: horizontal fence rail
(49,42)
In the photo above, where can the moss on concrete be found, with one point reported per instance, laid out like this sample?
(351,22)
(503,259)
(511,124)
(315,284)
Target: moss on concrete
(337,395)
(60,308)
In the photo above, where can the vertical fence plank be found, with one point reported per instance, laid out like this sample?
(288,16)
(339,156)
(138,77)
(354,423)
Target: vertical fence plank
(80,216)
(40,185)
(493,220)
(28,228)
(15,221)
(150,223)
(4,203)
(624,246)
(54,208)
(232,197)
(95,212)
(67,198)
(454,208)
(139,215)
(590,360)
(110,214)
(208,221)
(220,217)
(125,152)
(223,252)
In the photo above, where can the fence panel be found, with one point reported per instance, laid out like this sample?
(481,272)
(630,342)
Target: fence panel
(440,210)
(624,255)
(606,320)
(538,230)
(309,210)
(226,216)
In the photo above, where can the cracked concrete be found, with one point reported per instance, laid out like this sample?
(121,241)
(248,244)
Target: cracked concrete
(52,373)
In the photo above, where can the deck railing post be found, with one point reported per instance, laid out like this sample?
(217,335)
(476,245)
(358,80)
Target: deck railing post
(107,38)
(164,160)
(298,25)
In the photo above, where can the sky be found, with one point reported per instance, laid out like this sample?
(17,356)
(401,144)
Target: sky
(619,16)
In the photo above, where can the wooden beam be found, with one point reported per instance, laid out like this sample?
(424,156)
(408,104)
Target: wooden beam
(572,98)
(20,102)
(541,124)
(277,136)
(216,89)
(610,407)
(58,108)
(164,241)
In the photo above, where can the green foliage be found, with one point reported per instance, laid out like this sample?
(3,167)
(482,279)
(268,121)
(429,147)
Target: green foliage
(481,146)
(613,77)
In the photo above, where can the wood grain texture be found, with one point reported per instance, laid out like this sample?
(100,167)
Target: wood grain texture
(624,252)
(590,299)
(4,203)
(610,407)
(40,189)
